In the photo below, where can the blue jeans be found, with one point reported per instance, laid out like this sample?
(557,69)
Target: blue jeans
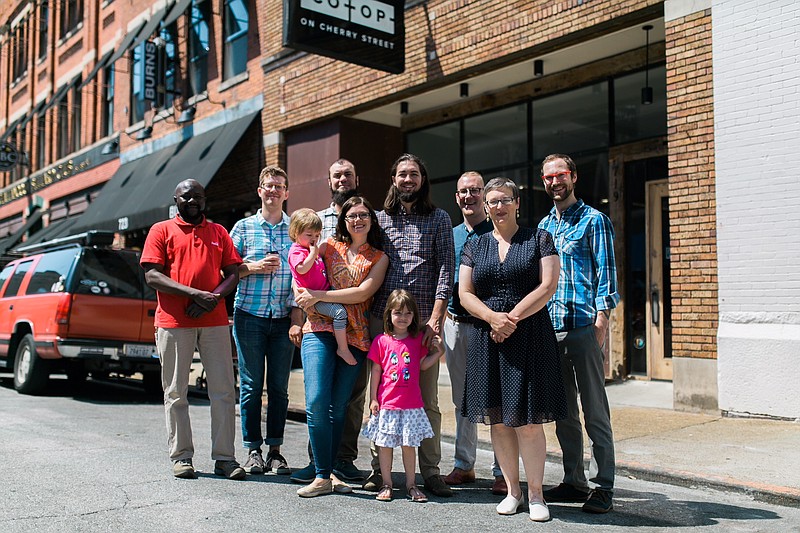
(263,343)
(328,385)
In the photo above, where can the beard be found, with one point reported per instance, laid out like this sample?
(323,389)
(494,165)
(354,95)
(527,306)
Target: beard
(409,197)
(340,197)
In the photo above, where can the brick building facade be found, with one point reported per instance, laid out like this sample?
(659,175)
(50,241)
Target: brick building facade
(487,86)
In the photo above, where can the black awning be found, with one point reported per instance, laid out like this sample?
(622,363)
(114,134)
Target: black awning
(14,239)
(101,63)
(150,27)
(60,94)
(177,10)
(141,191)
(56,229)
(126,43)
(36,110)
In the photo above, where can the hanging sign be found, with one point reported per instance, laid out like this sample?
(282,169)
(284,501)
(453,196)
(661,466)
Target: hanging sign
(370,33)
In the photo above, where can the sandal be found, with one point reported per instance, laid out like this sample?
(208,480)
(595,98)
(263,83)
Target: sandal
(416,495)
(384,494)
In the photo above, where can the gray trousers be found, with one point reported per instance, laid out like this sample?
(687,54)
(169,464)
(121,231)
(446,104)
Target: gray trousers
(456,337)
(582,369)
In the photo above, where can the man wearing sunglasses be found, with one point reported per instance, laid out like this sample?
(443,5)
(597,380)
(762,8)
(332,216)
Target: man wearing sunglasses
(265,322)
(580,308)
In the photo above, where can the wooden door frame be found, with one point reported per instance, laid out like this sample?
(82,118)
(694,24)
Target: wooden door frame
(658,367)
(618,156)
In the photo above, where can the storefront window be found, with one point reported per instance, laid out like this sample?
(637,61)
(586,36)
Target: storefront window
(571,122)
(439,147)
(496,139)
(633,120)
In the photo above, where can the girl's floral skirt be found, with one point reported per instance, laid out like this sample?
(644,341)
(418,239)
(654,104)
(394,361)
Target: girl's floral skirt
(398,427)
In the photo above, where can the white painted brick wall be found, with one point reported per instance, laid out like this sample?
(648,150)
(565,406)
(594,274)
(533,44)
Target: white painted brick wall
(756,58)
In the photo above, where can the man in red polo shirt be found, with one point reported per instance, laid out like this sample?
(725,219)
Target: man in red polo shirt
(182,259)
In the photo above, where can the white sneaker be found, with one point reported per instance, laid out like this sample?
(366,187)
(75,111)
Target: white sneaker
(539,511)
(510,505)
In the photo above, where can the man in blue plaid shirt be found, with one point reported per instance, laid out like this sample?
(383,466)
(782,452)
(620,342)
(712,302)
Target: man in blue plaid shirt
(266,322)
(586,294)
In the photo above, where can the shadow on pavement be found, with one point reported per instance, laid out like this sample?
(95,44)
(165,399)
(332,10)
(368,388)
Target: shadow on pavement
(105,391)
(650,509)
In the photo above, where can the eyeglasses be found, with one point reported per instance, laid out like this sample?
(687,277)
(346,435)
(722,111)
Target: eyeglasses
(357,216)
(474,191)
(550,177)
(506,200)
(273,186)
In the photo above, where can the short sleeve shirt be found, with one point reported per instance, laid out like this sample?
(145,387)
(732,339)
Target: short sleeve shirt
(400,367)
(343,275)
(192,256)
(315,279)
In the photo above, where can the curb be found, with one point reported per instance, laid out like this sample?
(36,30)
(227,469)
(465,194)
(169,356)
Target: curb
(772,494)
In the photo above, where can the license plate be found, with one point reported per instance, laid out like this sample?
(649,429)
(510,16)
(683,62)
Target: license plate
(139,350)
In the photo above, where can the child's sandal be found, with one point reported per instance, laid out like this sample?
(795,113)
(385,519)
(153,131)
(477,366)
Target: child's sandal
(385,494)
(416,495)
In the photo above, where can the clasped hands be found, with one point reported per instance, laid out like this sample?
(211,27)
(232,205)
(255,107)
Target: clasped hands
(503,325)
(202,302)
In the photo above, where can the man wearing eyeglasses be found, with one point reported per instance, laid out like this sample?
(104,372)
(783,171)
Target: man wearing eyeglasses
(182,259)
(266,322)
(580,308)
(457,326)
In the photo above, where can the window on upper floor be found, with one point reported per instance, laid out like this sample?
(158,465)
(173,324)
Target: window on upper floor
(138,103)
(199,42)
(41,141)
(63,128)
(19,45)
(236,20)
(71,14)
(169,34)
(44,15)
(77,111)
(107,112)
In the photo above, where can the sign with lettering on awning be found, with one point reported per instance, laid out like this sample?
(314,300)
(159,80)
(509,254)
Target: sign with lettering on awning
(365,32)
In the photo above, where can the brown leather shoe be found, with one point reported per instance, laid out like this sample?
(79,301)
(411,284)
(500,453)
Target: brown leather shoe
(499,486)
(459,477)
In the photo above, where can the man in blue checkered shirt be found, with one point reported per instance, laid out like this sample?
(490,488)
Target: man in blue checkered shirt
(580,308)
(266,322)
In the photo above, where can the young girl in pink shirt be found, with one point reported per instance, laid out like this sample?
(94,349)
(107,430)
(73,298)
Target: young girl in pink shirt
(308,271)
(397,414)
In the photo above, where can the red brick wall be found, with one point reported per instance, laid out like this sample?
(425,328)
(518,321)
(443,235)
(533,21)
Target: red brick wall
(465,35)
(692,203)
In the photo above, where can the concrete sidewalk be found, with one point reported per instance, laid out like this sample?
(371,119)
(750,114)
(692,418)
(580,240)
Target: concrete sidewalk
(755,456)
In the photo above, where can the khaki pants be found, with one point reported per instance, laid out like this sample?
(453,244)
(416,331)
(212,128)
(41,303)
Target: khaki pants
(176,347)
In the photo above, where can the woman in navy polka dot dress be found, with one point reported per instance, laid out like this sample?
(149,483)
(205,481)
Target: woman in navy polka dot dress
(513,379)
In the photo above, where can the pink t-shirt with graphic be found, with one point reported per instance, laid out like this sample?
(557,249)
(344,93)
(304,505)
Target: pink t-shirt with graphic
(315,279)
(400,367)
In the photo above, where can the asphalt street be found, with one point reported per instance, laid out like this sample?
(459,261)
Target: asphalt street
(94,459)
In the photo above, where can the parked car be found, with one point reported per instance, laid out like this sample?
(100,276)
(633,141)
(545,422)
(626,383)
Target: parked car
(78,306)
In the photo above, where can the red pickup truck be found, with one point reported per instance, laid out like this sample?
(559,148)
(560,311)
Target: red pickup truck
(77,306)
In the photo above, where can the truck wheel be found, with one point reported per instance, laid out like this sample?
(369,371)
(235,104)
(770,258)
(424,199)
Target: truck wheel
(30,372)
(152,383)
